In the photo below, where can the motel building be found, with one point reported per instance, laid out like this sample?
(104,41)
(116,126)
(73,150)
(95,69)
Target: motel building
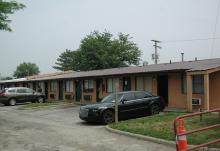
(188,85)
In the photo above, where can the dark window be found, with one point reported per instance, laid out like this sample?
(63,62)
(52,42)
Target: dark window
(11,90)
(183,83)
(129,96)
(53,86)
(141,95)
(112,84)
(29,91)
(88,85)
(198,84)
(111,98)
(21,90)
(69,86)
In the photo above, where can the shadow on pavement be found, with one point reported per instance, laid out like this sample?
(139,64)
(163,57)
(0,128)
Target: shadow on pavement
(84,123)
(17,104)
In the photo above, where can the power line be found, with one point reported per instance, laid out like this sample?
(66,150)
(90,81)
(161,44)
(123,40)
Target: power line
(189,40)
(215,28)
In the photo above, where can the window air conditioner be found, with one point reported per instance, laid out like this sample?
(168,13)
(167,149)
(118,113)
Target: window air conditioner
(196,101)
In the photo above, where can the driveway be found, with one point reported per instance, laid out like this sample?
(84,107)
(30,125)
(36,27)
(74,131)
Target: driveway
(61,130)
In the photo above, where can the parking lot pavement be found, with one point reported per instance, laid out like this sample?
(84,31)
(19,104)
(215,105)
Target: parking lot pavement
(61,130)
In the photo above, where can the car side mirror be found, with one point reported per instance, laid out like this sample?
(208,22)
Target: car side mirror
(123,101)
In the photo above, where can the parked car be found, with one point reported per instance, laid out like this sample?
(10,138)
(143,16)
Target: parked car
(11,96)
(131,104)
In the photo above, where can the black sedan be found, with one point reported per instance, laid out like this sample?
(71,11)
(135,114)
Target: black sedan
(131,104)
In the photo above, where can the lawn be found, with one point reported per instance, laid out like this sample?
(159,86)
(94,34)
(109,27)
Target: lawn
(161,126)
(47,104)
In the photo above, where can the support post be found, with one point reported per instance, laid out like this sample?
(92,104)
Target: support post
(189,93)
(64,89)
(206,91)
(116,102)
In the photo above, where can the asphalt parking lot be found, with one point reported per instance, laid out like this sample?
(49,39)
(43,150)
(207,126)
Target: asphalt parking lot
(61,130)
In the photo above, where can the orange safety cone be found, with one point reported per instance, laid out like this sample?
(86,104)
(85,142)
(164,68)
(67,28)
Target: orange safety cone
(182,142)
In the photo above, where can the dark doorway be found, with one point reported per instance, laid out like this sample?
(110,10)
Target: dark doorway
(99,90)
(78,91)
(46,89)
(127,84)
(60,90)
(34,86)
(162,87)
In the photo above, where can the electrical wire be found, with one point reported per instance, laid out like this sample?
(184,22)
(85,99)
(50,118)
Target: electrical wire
(188,40)
(215,28)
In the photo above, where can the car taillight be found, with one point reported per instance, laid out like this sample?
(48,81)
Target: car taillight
(2,94)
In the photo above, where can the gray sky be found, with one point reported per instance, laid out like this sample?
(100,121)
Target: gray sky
(45,28)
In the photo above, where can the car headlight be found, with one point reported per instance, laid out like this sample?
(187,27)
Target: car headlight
(102,107)
(94,110)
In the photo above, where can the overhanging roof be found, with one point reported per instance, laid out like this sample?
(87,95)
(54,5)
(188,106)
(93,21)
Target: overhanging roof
(13,80)
(188,66)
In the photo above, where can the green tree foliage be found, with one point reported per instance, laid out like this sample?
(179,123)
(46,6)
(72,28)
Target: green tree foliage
(68,60)
(26,69)
(6,78)
(7,8)
(100,51)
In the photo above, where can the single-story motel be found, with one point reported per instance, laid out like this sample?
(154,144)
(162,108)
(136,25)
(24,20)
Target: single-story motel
(178,83)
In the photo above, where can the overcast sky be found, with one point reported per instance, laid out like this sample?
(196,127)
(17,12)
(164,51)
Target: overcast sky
(45,28)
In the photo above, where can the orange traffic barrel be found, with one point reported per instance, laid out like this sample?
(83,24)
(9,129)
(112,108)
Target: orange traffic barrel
(182,141)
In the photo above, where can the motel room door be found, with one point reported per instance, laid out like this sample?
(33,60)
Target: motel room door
(99,89)
(78,90)
(46,89)
(162,87)
(127,84)
(61,90)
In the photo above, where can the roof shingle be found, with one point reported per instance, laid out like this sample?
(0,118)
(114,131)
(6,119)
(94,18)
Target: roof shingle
(189,66)
(199,65)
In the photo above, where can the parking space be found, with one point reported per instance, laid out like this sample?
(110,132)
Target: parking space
(61,130)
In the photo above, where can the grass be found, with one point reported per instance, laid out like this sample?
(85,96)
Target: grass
(161,126)
(47,104)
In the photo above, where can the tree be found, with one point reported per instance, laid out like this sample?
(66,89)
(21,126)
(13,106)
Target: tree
(6,78)
(26,69)
(6,9)
(68,60)
(100,51)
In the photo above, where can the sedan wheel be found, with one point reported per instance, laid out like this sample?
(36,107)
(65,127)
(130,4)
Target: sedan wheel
(40,100)
(12,102)
(155,109)
(108,117)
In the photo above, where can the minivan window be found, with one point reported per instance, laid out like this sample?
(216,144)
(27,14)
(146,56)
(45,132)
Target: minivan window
(11,90)
(21,90)
(29,91)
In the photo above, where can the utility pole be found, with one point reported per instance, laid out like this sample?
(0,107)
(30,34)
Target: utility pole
(155,56)
(116,102)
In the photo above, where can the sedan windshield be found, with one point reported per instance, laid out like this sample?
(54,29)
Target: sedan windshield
(111,98)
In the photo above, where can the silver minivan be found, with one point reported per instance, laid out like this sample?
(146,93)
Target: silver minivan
(13,95)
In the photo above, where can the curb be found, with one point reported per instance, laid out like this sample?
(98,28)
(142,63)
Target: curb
(153,139)
(142,137)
